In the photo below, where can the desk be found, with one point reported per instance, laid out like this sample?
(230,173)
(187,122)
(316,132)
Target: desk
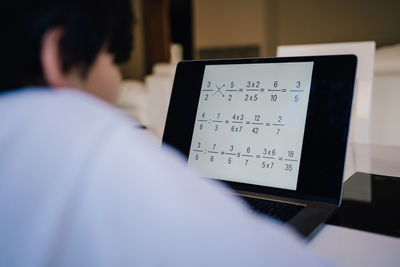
(349,247)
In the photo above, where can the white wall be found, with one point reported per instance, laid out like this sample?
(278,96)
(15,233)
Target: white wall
(228,23)
(268,23)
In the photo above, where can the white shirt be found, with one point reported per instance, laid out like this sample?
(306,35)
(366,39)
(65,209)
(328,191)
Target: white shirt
(79,186)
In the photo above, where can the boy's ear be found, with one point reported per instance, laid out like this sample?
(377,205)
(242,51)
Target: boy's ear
(50,58)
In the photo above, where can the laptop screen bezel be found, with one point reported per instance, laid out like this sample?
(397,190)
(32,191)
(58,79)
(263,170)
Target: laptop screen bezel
(326,129)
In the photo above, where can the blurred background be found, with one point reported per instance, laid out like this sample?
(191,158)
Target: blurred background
(167,31)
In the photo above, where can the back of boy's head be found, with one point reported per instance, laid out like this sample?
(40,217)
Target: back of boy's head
(88,27)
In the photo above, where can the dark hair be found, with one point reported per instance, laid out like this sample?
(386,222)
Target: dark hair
(88,26)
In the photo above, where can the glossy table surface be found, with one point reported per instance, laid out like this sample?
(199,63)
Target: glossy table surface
(351,247)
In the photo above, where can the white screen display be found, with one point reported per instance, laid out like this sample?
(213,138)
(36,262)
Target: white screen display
(250,123)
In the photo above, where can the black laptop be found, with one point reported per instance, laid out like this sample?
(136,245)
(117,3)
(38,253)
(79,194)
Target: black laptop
(274,129)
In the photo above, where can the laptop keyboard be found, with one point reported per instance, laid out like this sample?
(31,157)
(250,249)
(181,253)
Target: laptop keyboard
(279,210)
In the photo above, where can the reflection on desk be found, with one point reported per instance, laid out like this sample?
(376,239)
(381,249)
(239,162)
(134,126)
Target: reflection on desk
(370,203)
(349,247)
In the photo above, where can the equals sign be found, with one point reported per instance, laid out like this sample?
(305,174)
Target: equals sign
(226,121)
(280,158)
(222,152)
(247,122)
(258,156)
(241,90)
(283,90)
(262,89)
(268,124)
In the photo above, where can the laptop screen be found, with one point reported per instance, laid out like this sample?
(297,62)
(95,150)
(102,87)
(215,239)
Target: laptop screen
(250,123)
(267,125)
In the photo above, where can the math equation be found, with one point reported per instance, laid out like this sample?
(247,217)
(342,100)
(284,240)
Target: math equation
(250,122)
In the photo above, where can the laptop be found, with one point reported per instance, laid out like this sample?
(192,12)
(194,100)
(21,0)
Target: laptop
(273,129)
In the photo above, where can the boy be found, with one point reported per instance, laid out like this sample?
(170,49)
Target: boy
(78,186)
